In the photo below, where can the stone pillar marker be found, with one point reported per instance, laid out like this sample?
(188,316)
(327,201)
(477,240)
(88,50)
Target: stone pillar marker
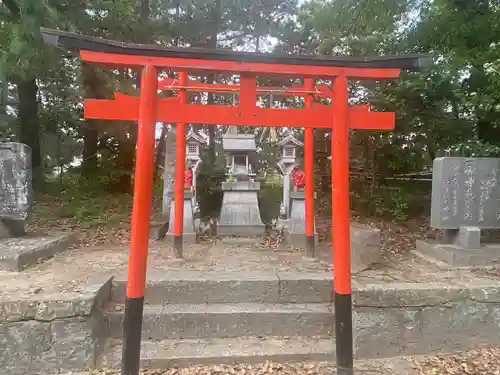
(288,146)
(295,234)
(19,250)
(168,172)
(16,195)
(194,143)
(189,234)
(465,200)
(240,214)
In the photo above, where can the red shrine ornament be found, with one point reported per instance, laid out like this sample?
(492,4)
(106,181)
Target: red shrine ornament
(188,178)
(298,178)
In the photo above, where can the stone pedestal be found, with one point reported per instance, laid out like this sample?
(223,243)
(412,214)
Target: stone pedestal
(365,248)
(12,228)
(240,214)
(461,247)
(295,233)
(282,224)
(189,230)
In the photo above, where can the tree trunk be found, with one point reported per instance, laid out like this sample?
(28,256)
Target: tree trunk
(94,87)
(322,161)
(126,155)
(126,151)
(211,128)
(29,129)
(90,147)
(160,151)
(212,43)
(126,159)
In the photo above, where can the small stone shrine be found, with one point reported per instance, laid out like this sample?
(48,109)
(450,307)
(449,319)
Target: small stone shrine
(240,214)
(194,143)
(288,147)
(17,249)
(465,200)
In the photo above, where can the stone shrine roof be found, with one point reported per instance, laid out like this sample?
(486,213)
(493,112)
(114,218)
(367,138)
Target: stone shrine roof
(196,137)
(289,139)
(239,142)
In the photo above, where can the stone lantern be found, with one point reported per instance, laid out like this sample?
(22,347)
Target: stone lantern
(288,147)
(194,145)
(240,214)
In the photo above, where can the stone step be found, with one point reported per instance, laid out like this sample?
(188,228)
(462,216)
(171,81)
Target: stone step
(237,287)
(227,320)
(189,352)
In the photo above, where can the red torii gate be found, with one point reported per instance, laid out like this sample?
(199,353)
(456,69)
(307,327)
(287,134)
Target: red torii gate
(148,109)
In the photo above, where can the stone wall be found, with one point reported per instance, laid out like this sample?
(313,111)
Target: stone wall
(48,336)
(410,319)
(68,334)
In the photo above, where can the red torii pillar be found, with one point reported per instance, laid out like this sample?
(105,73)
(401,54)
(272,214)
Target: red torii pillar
(138,256)
(180,166)
(309,172)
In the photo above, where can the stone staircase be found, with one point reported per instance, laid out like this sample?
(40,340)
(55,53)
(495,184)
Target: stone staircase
(191,318)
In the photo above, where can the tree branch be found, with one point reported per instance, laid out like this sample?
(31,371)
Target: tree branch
(13,8)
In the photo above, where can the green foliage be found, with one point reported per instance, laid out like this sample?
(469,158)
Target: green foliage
(23,52)
(396,201)
(208,185)
(452,109)
(83,201)
(270,196)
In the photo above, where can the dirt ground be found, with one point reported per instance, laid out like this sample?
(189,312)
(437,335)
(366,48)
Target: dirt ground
(484,361)
(70,272)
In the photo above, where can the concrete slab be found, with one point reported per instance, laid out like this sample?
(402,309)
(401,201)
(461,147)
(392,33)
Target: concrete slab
(19,253)
(228,320)
(241,230)
(365,248)
(184,353)
(455,255)
(242,287)
(187,238)
(298,240)
(239,241)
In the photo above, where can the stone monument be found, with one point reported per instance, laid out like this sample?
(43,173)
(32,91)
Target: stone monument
(17,249)
(465,200)
(15,188)
(288,146)
(240,214)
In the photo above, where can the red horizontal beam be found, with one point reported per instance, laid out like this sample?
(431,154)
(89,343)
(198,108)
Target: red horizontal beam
(198,65)
(125,107)
(322,90)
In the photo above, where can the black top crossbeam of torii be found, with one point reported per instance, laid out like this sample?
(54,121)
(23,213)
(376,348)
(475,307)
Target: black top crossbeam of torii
(74,43)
